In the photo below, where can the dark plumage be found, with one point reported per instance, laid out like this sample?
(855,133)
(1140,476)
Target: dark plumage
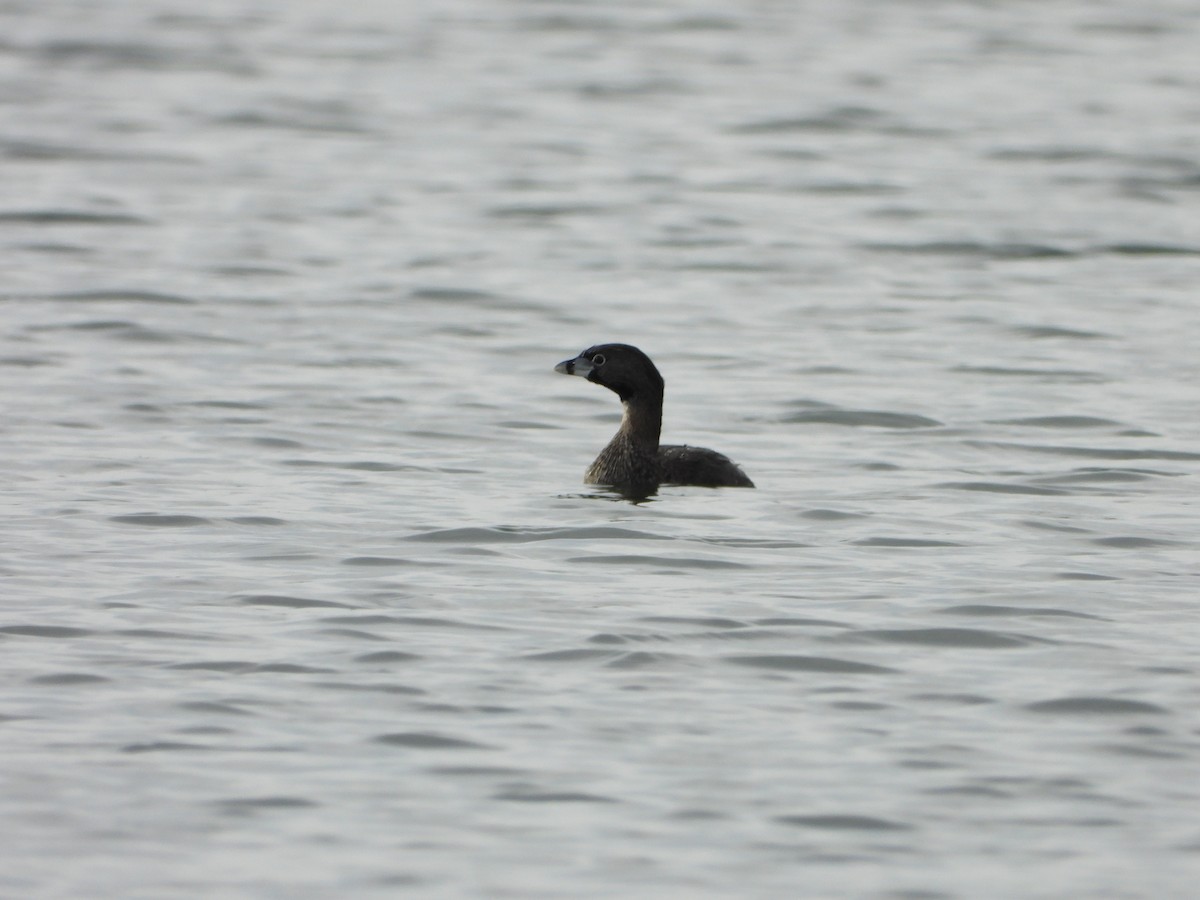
(634,461)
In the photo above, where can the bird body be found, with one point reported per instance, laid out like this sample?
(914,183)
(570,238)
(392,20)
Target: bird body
(634,460)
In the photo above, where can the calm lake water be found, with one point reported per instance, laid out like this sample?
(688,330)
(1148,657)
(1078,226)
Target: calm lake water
(304,597)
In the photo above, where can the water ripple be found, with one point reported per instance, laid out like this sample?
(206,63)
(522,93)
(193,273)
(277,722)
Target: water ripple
(242,805)
(161,520)
(1060,422)
(68,679)
(1001,251)
(1093,452)
(412,621)
(669,562)
(387,656)
(515,535)
(985,609)
(167,747)
(795,663)
(972,638)
(1133,542)
(45,631)
(289,602)
(844,822)
(860,418)
(425,740)
(1043,332)
(996,487)
(70,217)
(911,543)
(698,621)
(579,654)
(1050,376)
(528,794)
(1095,706)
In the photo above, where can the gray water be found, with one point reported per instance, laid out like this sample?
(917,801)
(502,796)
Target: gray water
(304,597)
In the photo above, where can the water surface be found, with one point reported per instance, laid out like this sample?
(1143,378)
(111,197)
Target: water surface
(304,596)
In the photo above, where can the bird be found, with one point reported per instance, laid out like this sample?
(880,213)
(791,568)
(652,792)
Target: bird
(634,462)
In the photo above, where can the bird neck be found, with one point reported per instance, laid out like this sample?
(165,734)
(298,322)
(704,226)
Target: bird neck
(641,422)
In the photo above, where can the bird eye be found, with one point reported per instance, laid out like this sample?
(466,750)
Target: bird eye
(598,359)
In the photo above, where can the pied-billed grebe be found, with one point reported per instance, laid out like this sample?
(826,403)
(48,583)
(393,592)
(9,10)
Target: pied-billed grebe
(634,461)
